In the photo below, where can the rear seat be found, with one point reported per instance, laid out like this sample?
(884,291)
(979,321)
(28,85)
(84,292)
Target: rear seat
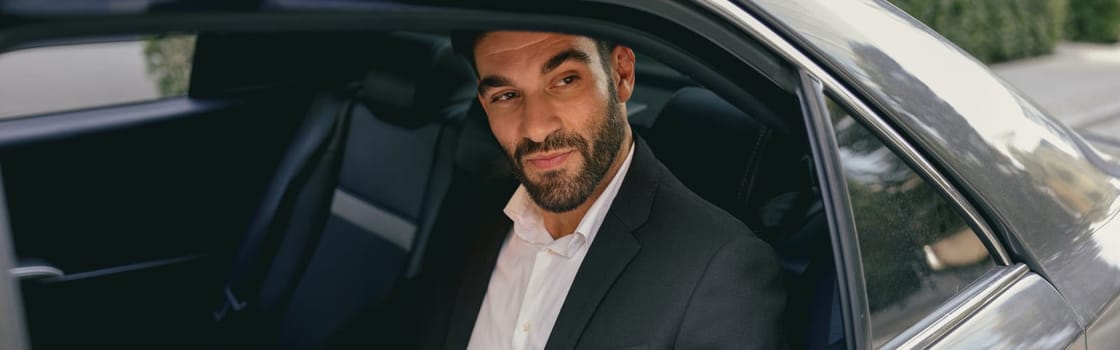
(395,172)
(764,179)
(338,239)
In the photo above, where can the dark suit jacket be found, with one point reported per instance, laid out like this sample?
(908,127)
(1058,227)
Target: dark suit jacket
(666,270)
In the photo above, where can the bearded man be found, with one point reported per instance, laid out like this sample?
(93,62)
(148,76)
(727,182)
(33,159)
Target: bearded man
(601,247)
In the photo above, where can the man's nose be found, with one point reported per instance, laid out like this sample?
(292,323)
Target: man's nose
(540,120)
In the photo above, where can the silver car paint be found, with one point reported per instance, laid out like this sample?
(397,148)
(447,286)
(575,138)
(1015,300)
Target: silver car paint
(1004,323)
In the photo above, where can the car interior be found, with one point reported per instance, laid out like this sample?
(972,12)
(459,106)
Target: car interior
(336,191)
(357,201)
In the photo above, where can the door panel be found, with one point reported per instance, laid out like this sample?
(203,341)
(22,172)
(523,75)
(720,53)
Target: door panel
(1027,315)
(140,206)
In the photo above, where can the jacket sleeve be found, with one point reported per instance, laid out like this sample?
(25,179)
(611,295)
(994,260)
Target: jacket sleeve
(738,302)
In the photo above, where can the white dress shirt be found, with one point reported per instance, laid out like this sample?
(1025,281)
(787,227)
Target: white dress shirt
(534,272)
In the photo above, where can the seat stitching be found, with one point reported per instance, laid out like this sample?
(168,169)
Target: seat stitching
(747,185)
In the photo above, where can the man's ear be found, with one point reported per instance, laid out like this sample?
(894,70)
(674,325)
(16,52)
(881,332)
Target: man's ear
(622,59)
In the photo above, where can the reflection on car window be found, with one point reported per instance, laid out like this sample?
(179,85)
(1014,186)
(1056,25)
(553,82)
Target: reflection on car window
(917,251)
(76,76)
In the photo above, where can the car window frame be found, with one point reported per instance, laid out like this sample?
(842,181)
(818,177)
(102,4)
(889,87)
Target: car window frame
(838,212)
(950,313)
(960,306)
(815,81)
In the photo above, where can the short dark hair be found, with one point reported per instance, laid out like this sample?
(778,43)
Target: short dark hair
(464,42)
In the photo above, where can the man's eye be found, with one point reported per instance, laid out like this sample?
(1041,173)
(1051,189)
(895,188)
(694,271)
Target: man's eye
(504,96)
(567,80)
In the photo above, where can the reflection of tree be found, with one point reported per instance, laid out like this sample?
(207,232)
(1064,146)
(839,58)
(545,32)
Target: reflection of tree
(1073,183)
(169,62)
(896,214)
(898,217)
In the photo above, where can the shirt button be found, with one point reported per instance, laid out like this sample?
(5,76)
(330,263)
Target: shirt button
(549,251)
(525,328)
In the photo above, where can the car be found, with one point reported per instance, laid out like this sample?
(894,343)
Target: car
(295,162)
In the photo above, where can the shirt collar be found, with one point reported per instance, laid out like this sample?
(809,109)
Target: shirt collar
(529,227)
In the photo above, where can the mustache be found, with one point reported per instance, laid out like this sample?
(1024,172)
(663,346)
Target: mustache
(553,141)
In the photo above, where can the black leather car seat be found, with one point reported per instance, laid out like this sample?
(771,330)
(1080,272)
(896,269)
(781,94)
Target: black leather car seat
(350,206)
(764,179)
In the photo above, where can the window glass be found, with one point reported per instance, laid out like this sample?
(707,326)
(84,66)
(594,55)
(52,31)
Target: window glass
(76,76)
(917,250)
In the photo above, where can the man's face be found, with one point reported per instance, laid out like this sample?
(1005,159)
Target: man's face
(555,110)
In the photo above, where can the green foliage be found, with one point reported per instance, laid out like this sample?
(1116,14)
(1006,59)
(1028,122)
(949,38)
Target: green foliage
(994,30)
(169,61)
(1094,20)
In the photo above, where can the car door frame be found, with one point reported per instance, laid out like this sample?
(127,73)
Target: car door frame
(733,89)
(13,333)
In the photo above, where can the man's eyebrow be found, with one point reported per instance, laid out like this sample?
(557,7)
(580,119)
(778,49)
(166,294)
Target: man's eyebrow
(560,58)
(492,81)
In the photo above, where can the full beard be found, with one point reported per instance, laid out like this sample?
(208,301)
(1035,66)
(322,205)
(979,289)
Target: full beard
(558,191)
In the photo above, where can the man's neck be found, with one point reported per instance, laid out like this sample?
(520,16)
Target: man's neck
(563,224)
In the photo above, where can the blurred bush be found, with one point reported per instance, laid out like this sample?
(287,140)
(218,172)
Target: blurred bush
(1094,20)
(169,62)
(995,30)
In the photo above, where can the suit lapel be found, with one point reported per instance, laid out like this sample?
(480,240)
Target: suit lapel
(476,279)
(614,246)
(612,250)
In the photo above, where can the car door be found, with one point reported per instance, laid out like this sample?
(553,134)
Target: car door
(126,191)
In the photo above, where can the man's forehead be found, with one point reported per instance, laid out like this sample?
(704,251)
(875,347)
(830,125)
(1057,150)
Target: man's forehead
(503,43)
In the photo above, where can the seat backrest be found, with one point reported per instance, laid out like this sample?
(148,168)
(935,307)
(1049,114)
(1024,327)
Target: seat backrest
(763,178)
(395,172)
(396,140)
(729,158)
(301,183)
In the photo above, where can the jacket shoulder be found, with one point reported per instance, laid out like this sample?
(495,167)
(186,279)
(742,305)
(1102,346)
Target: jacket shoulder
(674,201)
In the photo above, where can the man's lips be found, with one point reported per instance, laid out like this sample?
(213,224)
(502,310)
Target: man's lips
(549,161)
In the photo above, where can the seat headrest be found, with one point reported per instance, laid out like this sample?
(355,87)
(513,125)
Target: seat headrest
(479,152)
(414,79)
(725,156)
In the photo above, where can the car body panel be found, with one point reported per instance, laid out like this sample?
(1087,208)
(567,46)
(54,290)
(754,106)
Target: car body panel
(1051,193)
(1005,324)
(1105,333)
